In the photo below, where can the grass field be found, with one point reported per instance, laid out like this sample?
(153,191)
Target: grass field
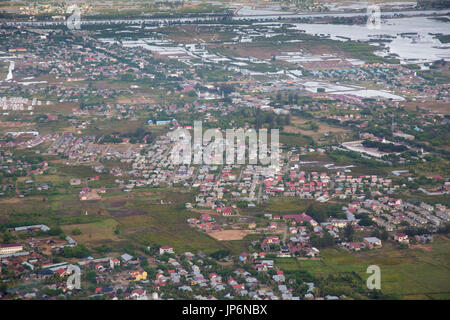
(166,225)
(436,106)
(294,139)
(287,205)
(93,233)
(410,273)
(301,126)
(13,206)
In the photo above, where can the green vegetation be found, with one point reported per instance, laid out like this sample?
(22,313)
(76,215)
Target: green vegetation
(384,147)
(415,273)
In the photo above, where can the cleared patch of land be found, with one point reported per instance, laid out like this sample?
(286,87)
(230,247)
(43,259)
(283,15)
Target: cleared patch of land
(314,129)
(436,106)
(229,234)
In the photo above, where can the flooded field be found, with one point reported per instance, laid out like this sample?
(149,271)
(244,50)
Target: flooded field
(412,39)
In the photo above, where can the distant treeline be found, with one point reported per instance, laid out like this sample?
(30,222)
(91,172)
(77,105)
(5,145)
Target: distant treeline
(385,147)
(437,4)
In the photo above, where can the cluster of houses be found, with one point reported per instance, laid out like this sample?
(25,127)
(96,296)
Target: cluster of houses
(189,272)
(84,149)
(124,277)
(9,165)
(205,223)
(391,213)
(33,254)
(18,103)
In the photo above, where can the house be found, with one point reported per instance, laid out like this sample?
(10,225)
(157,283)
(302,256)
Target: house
(10,248)
(401,238)
(300,218)
(243,256)
(185,288)
(273,239)
(206,217)
(62,272)
(45,273)
(424,238)
(278,278)
(126,257)
(100,267)
(227,211)
(372,242)
(355,246)
(104,290)
(138,294)
(165,249)
(114,263)
(139,275)
(312,252)
(238,287)
(75,182)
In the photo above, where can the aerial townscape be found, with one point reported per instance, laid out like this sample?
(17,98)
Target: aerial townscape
(93,205)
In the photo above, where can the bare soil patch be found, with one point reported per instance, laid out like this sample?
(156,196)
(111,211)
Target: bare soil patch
(227,235)
(436,106)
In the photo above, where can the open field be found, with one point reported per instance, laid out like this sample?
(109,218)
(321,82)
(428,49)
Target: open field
(164,225)
(139,218)
(410,274)
(207,211)
(229,234)
(197,34)
(436,106)
(293,139)
(11,206)
(303,126)
(65,108)
(6,126)
(257,50)
(288,205)
(92,233)
(115,126)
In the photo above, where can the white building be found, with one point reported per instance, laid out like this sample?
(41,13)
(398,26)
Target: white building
(10,248)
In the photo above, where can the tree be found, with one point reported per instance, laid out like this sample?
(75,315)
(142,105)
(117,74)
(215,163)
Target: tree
(8,237)
(365,220)
(349,232)
(3,287)
(322,242)
(220,254)
(78,251)
(76,232)
(316,213)
(144,263)
(91,276)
